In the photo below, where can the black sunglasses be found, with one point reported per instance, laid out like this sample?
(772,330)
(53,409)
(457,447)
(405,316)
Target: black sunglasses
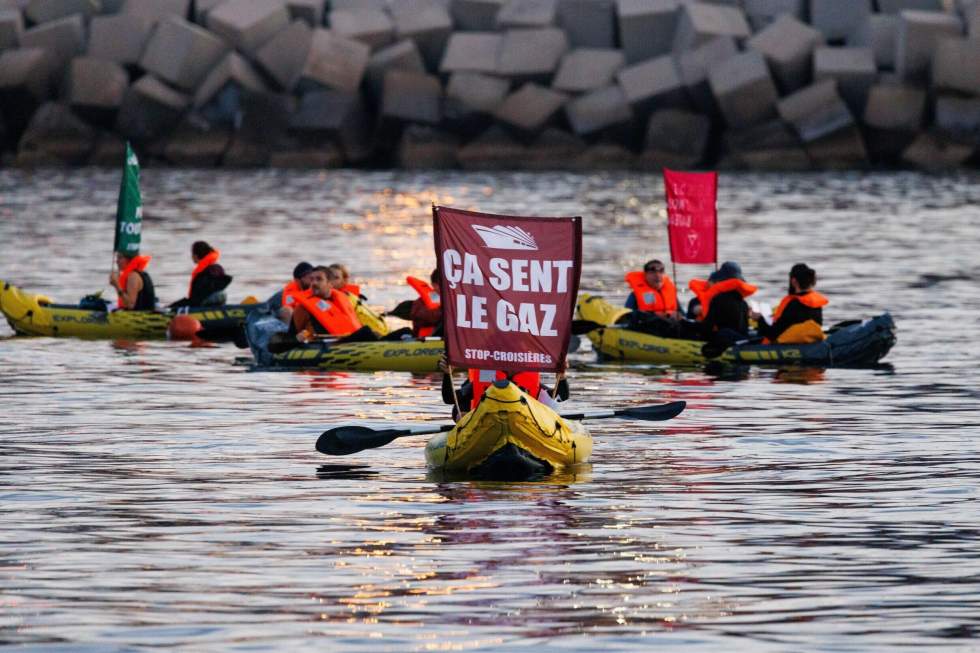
(654,270)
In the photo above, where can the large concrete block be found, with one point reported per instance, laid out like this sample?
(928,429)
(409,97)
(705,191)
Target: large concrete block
(694,66)
(531,107)
(411,97)
(150,109)
(426,148)
(958,119)
(265,119)
(700,23)
(182,53)
(653,84)
(248,24)
(598,110)
(762,13)
(195,143)
(476,91)
(530,53)
(495,149)
(63,39)
(219,97)
(340,115)
(285,54)
(788,45)
(932,152)
(816,111)
(897,6)
(676,139)
(309,11)
(878,33)
(527,13)
(603,156)
(554,149)
(335,62)
(895,108)
(770,145)
(372,26)
(646,27)
(837,19)
(588,23)
(744,90)
(25,83)
(956,66)
(44,11)
(299,154)
(429,26)
(403,55)
(853,68)
(476,15)
(55,135)
(120,37)
(11,27)
(157,10)
(587,69)
(95,83)
(471,52)
(202,8)
(919,33)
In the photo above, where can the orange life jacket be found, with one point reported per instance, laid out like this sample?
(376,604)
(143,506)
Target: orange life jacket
(529,381)
(804,332)
(353,289)
(335,314)
(810,299)
(705,292)
(292,293)
(201,266)
(138,263)
(649,298)
(430,296)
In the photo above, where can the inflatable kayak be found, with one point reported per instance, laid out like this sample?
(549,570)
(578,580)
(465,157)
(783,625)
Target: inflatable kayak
(36,315)
(509,436)
(850,345)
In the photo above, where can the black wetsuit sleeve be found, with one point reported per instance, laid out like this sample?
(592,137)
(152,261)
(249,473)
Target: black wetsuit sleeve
(211,280)
(794,313)
(464,395)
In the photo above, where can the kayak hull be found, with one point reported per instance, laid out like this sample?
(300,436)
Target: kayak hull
(36,315)
(509,436)
(856,345)
(396,356)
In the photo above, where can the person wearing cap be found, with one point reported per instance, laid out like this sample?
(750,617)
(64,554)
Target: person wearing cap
(724,312)
(652,290)
(799,317)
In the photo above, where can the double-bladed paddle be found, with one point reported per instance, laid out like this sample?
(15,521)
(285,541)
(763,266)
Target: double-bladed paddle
(347,440)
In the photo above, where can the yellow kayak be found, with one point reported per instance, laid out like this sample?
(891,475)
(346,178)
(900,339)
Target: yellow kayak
(508,436)
(416,356)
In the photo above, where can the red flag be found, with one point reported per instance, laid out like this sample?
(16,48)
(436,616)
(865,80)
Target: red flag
(508,288)
(692,215)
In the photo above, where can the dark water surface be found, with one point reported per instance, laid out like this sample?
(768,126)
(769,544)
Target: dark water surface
(153,495)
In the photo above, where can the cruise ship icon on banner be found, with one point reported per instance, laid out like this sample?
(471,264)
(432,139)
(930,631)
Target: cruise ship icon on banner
(501,237)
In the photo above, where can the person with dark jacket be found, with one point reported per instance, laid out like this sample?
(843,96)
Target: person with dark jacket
(799,317)
(208,279)
(724,312)
(464,395)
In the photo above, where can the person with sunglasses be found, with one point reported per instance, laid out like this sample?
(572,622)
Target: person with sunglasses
(652,291)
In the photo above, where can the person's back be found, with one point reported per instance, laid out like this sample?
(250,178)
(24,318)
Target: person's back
(724,312)
(730,311)
(426,311)
(208,279)
(799,317)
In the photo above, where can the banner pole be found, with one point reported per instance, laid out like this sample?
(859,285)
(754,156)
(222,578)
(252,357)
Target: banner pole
(452,383)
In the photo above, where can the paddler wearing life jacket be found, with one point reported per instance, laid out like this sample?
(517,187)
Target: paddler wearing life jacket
(344,282)
(652,291)
(471,393)
(724,313)
(324,311)
(284,301)
(133,283)
(208,278)
(799,317)
(426,311)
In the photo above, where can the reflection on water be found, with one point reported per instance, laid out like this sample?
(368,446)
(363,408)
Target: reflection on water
(155,495)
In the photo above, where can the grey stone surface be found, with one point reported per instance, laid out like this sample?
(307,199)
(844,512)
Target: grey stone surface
(335,62)
(44,11)
(700,23)
(403,55)
(471,52)
(411,97)
(879,33)
(11,27)
(762,13)
(853,68)
(598,110)
(695,64)
(309,11)
(120,37)
(339,115)
(475,15)
(95,83)
(527,13)
(150,109)
(837,19)
(426,148)
(265,119)
(182,53)
(372,26)
(284,56)
(301,155)
(956,66)
(958,119)
(157,10)
(896,6)
(919,32)
(553,149)
(476,91)
(248,24)
(826,126)
(587,69)
(605,155)
(788,45)
(588,23)
(771,145)
(63,39)
(219,95)
(55,135)
(646,27)
(676,139)
(531,52)
(744,90)
(429,26)
(653,84)
(202,8)
(898,108)
(495,149)
(530,107)
(932,152)
(25,70)
(196,144)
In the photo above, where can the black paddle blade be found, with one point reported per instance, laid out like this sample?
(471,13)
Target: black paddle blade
(347,440)
(654,413)
(581,327)
(403,310)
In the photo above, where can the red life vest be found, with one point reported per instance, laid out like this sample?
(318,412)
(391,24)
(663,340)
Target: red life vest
(430,297)
(335,314)
(705,292)
(810,299)
(137,263)
(292,293)
(649,298)
(530,382)
(201,266)
(353,289)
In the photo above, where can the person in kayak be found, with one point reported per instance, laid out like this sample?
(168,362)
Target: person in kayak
(652,291)
(344,281)
(799,317)
(724,313)
(133,283)
(426,311)
(471,392)
(284,301)
(208,279)
(326,311)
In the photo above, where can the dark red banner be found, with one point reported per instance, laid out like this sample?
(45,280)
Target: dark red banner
(692,215)
(508,288)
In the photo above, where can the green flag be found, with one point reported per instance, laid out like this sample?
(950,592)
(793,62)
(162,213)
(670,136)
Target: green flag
(129,210)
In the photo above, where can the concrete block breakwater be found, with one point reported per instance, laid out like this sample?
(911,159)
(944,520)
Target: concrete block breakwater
(492,84)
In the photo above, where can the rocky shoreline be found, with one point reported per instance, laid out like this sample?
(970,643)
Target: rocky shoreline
(492,84)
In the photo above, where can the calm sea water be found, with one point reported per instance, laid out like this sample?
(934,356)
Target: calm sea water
(153,495)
